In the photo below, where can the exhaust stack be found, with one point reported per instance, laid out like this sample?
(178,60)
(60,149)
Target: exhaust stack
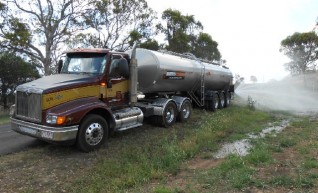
(133,76)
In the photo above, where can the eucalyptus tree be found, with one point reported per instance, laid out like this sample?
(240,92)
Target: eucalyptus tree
(116,24)
(39,28)
(184,34)
(302,50)
(205,47)
(179,30)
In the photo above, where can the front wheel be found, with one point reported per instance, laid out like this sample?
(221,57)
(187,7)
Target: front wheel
(93,132)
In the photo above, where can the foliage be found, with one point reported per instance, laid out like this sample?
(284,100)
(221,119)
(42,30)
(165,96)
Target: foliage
(38,28)
(179,30)
(184,34)
(150,44)
(14,71)
(251,103)
(253,79)
(206,48)
(302,49)
(116,24)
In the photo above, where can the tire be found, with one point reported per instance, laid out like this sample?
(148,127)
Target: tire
(185,111)
(221,100)
(227,99)
(93,132)
(213,103)
(169,115)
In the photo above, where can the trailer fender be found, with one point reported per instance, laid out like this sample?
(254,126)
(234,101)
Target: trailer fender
(160,104)
(179,101)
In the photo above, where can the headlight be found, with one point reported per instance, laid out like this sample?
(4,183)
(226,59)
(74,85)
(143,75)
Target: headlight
(55,120)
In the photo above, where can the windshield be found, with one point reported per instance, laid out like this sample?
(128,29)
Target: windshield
(84,63)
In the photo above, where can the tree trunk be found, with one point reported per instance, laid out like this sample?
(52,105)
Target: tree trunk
(4,97)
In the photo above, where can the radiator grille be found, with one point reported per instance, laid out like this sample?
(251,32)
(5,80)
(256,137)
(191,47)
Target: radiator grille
(29,106)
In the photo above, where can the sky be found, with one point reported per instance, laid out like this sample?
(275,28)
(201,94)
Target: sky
(249,32)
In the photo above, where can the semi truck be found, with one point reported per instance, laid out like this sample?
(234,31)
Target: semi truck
(98,92)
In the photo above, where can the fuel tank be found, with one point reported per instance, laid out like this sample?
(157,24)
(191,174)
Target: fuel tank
(164,72)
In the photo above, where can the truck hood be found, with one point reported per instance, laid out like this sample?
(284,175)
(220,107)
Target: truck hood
(58,81)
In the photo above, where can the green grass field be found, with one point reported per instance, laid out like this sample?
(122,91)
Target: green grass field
(178,159)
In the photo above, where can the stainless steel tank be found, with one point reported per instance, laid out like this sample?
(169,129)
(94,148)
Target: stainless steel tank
(163,72)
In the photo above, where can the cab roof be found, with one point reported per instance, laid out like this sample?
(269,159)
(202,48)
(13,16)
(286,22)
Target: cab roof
(94,50)
(88,50)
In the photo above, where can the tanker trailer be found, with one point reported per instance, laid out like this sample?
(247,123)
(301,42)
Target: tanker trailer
(171,73)
(179,79)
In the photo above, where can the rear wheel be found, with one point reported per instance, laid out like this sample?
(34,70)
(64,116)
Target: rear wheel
(227,99)
(185,111)
(92,133)
(221,100)
(169,115)
(213,103)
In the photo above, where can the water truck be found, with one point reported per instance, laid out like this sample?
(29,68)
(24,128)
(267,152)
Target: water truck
(98,92)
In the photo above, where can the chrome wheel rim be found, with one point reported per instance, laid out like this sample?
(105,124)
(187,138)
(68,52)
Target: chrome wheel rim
(170,115)
(186,111)
(94,134)
(216,104)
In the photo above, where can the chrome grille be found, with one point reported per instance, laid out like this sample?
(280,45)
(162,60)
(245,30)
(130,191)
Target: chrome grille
(29,106)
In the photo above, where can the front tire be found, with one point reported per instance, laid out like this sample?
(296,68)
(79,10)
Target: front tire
(93,132)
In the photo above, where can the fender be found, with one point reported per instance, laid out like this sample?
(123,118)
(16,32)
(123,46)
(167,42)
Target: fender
(77,109)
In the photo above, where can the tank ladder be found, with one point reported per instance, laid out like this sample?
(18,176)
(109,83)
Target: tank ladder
(199,101)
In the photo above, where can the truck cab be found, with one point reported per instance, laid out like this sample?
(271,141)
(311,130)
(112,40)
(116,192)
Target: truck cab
(80,104)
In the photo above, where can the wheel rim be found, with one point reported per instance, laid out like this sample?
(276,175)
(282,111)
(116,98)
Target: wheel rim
(222,100)
(216,104)
(170,115)
(94,134)
(228,100)
(186,111)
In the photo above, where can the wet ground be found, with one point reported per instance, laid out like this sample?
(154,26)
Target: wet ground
(242,147)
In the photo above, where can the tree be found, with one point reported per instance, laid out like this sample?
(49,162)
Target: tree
(253,79)
(206,48)
(116,24)
(302,49)
(150,44)
(14,71)
(38,28)
(179,30)
(184,34)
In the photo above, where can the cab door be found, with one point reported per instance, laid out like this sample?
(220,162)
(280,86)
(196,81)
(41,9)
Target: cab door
(117,81)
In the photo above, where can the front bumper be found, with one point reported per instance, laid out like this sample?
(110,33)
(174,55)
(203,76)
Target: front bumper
(55,134)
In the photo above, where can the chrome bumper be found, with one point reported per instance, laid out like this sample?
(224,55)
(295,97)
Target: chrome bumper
(57,134)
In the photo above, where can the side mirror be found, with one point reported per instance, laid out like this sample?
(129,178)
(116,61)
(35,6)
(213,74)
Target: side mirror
(59,66)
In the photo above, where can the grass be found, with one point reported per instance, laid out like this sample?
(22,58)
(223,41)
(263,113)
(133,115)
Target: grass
(4,117)
(153,159)
(158,155)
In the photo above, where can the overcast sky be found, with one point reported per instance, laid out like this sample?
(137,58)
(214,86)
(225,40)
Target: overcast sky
(249,32)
